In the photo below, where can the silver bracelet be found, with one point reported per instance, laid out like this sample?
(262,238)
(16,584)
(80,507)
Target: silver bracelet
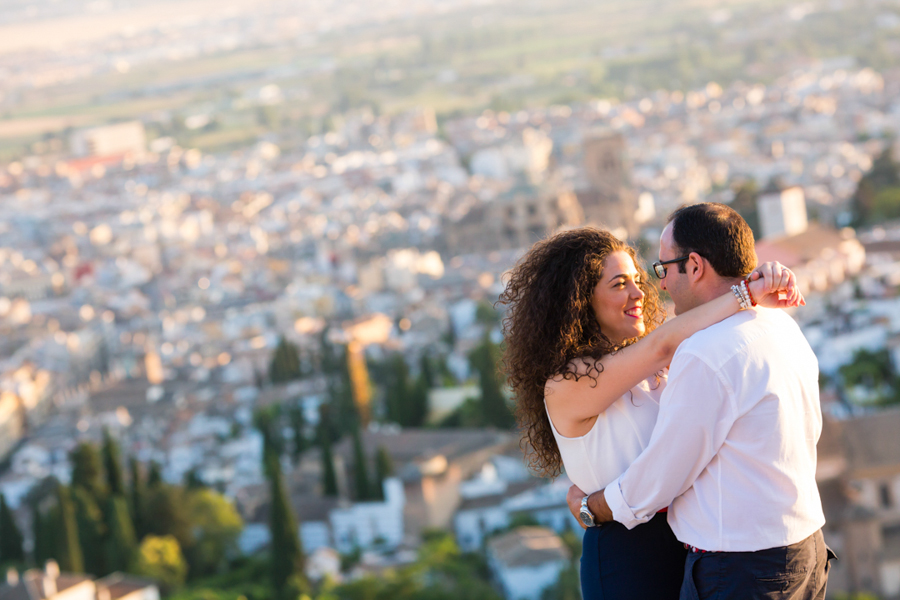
(746,293)
(736,290)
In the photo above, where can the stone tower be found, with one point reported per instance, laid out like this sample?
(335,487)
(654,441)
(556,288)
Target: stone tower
(609,201)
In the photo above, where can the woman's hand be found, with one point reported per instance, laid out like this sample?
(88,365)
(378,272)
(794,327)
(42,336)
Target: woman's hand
(775,286)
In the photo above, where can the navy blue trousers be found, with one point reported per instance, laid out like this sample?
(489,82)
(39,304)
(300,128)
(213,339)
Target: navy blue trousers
(795,572)
(646,563)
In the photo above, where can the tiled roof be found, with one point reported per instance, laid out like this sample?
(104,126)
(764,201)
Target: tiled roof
(31,585)
(497,499)
(120,584)
(801,248)
(872,443)
(528,546)
(413,444)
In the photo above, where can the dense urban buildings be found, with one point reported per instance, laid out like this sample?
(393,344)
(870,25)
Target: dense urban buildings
(300,319)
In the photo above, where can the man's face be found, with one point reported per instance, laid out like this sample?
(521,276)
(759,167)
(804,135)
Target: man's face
(675,282)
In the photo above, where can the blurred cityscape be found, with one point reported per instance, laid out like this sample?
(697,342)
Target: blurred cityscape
(250,252)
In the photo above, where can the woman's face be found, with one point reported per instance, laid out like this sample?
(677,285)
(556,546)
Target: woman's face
(618,299)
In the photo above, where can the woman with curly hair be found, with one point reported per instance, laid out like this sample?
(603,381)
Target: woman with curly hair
(586,357)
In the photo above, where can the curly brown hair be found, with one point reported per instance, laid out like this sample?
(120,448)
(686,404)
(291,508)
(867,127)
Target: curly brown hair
(550,322)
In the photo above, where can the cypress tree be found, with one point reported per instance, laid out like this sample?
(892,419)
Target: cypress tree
(87,471)
(43,546)
(192,480)
(297,418)
(364,489)
(121,542)
(167,514)
(327,362)
(112,462)
(346,406)
(68,550)
(11,550)
(138,495)
(426,371)
(418,402)
(266,421)
(91,531)
(398,391)
(493,403)
(154,477)
(287,551)
(384,468)
(329,477)
(285,365)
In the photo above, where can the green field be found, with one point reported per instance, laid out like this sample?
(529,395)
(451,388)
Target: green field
(467,60)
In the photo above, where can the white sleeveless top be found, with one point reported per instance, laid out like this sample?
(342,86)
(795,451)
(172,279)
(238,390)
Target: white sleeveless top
(620,433)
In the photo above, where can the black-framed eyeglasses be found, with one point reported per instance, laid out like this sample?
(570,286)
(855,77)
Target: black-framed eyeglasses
(659,267)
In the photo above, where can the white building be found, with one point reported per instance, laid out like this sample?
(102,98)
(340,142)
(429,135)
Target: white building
(367,524)
(110,140)
(498,505)
(526,561)
(782,213)
(50,584)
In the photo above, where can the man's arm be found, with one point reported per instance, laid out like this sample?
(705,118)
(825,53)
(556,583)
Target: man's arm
(696,412)
(596,503)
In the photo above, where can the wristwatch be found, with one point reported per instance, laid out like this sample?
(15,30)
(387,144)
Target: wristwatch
(585,514)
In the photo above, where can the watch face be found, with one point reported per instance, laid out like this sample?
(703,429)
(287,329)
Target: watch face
(587,518)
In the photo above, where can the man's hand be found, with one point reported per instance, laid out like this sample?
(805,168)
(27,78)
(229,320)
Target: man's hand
(573,499)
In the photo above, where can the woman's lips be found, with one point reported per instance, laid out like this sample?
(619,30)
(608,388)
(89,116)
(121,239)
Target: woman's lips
(635,313)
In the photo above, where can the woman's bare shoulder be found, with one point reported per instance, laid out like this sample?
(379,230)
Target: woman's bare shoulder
(576,369)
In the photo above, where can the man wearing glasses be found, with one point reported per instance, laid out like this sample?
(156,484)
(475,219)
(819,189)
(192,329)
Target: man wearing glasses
(733,452)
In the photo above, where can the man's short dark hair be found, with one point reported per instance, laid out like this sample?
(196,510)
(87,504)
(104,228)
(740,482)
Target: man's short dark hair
(717,233)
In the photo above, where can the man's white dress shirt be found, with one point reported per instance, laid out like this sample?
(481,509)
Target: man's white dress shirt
(733,452)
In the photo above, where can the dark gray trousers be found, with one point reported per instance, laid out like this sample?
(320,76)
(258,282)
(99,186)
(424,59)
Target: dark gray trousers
(795,572)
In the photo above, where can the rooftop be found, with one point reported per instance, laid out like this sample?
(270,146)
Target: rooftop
(528,546)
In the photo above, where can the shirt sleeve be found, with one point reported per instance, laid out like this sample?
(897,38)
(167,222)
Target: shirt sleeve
(696,411)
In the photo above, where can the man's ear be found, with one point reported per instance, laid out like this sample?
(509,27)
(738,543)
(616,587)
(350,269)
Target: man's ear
(695,266)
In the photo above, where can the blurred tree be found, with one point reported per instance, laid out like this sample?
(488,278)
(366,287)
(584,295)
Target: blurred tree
(266,420)
(866,207)
(160,559)
(384,468)
(399,390)
(67,550)
(154,476)
(120,544)
(567,587)
(11,550)
(364,489)
(112,463)
(873,370)
(192,480)
(138,497)
(486,314)
(297,417)
(329,477)
(91,531)
(442,572)
(287,553)
(87,471)
(426,371)
(167,514)
(418,402)
(493,403)
(340,392)
(216,525)
(44,542)
(285,365)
